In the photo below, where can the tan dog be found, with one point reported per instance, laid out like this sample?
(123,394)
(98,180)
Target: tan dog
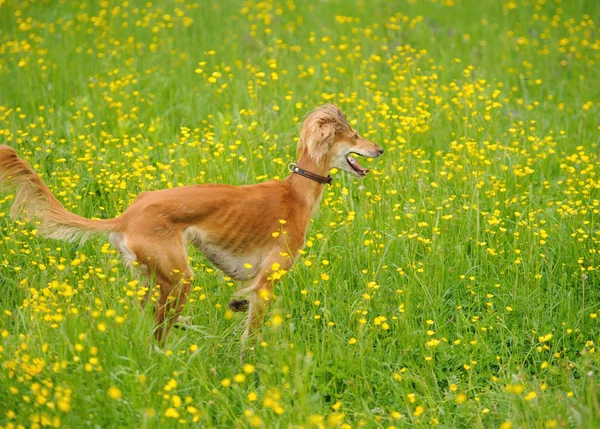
(253,233)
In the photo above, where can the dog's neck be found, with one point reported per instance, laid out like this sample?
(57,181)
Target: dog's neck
(308,188)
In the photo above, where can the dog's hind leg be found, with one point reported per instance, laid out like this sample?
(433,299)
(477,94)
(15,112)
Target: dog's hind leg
(173,296)
(119,242)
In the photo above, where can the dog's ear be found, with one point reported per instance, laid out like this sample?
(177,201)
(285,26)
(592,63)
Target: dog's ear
(316,137)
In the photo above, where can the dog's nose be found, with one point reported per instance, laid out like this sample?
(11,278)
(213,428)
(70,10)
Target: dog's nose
(381,151)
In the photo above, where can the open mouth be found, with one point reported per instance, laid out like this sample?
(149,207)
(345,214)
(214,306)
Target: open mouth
(362,172)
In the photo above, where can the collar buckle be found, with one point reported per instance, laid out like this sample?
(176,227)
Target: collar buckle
(293,168)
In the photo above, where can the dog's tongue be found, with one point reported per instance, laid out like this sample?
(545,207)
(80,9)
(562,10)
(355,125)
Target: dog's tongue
(354,164)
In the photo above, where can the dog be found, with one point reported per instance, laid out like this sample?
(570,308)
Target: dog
(253,233)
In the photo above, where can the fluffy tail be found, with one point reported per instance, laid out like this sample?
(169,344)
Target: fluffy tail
(33,197)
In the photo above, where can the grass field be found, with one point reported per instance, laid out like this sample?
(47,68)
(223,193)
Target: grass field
(457,285)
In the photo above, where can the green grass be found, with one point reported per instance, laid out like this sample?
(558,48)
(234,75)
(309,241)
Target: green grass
(461,287)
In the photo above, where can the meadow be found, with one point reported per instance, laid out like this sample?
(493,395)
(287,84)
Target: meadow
(456,286)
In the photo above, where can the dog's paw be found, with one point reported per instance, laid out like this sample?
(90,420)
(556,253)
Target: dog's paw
(238,305)
(182,323)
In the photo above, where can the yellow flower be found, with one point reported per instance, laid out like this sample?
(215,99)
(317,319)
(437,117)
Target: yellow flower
(63,405)
(530,396)
(255,421)
(315,419)
(276,320)
(515,388)
(114,393)
(171,412)
(176,400)
(461,398)
(335,419)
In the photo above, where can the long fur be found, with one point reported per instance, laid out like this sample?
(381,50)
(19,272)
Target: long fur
(32,197)
(319,129)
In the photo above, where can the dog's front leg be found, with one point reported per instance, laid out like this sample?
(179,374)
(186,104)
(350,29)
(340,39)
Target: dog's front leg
(260,297)
(260,292)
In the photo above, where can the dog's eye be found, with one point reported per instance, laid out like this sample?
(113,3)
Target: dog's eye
(355,136)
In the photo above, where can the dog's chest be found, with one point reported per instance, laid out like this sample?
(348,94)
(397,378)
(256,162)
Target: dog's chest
(237,266)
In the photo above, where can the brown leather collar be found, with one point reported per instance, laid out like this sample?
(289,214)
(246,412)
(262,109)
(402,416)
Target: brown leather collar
(312,176)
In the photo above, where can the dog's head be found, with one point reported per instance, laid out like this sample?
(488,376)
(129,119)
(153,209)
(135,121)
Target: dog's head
(328,139)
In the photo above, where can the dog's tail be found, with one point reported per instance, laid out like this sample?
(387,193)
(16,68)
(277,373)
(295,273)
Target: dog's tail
(33,197)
